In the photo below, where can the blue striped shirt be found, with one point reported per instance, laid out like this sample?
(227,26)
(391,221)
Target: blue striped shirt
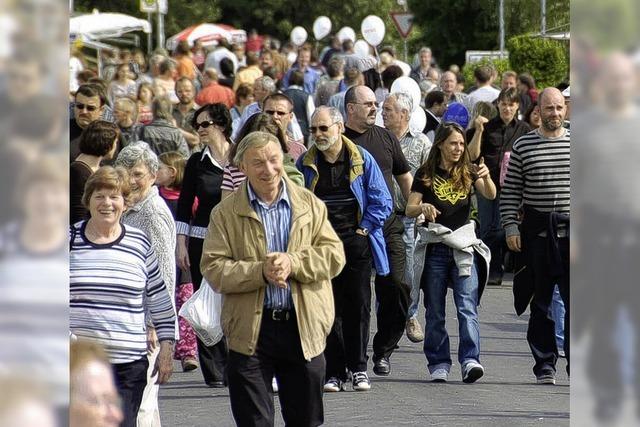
(110,287)
(276,220)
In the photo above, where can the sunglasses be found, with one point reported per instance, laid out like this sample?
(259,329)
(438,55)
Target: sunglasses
(89,108)
(276,113)
(205,124)
(321,128)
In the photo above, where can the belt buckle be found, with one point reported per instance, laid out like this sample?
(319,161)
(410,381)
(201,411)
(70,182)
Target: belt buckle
(279,315)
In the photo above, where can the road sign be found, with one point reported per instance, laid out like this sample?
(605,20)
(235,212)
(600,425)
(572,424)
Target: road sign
(151,6)
(403,22)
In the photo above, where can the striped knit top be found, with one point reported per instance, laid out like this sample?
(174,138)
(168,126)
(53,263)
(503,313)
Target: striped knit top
(111,285)
(538,176)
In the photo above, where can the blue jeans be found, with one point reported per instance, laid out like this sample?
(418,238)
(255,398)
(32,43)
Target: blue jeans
(491,232)
(409,239)
(440,271)
(557,313)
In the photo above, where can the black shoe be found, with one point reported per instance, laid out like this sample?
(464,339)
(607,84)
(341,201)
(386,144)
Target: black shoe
(382,366)
(495,279)
(216,384)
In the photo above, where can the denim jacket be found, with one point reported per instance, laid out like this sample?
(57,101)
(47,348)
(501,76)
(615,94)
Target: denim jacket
(370,190)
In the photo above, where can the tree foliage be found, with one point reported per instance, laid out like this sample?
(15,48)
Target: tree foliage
(500,65)
(451,27)
(181,14)
(278,18)
(546,60)
(273,17)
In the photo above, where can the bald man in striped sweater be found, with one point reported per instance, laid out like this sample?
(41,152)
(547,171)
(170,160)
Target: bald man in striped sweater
(538,183)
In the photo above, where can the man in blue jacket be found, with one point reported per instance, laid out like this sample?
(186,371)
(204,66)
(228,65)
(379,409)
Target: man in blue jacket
(349,181)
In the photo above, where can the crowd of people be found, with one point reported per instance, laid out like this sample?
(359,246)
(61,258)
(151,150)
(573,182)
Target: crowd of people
(292,182)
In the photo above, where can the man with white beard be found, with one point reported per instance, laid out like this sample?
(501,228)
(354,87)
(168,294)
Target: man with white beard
(347,178)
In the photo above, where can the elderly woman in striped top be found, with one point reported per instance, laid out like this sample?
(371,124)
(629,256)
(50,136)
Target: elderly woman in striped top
(114,280)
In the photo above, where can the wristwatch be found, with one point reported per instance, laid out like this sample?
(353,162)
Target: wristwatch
(363,231)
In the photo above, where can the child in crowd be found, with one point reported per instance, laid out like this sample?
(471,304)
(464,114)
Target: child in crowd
(145,97)
(169,181)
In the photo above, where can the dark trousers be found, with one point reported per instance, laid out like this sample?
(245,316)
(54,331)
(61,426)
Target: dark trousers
(492,233)
(541,331)
(392,293)
(349,337)
(213,360)
(300,382)
(131,379)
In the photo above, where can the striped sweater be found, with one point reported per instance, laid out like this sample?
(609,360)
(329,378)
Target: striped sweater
(538,176)
(111,285)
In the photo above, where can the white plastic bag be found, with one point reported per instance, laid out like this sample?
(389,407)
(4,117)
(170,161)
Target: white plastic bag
(202,311)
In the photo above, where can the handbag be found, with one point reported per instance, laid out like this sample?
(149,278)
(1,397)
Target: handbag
(202,311)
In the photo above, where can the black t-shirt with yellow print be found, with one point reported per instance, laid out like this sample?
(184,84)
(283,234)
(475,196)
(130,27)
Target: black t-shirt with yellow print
(454,206)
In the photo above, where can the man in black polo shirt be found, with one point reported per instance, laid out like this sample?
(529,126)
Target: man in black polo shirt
(392,292)
(493,139)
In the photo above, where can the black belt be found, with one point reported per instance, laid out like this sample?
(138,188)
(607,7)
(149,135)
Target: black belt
(278,315)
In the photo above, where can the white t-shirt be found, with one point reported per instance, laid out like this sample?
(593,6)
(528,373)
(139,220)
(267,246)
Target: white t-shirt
(485,93)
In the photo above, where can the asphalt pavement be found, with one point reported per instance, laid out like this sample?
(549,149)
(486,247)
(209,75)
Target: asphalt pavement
(506,396)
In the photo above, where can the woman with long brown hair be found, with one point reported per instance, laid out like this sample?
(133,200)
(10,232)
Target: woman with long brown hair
(441,191)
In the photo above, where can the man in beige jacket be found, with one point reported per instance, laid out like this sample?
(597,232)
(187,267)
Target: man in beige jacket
(272,253)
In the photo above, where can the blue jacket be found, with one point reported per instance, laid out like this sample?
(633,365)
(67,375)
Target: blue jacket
(370,190)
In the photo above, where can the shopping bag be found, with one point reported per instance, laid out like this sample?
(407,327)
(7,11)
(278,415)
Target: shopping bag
(202,311)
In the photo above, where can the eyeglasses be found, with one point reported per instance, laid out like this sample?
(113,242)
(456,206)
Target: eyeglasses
(89,108)
(276,113)
(321,128)
(205,124)
(366,104)
(139,175)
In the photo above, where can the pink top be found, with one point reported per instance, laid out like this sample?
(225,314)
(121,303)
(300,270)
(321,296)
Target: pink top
(232,178)
(296,149)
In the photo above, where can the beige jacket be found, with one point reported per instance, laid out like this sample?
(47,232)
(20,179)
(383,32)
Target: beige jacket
(232,260)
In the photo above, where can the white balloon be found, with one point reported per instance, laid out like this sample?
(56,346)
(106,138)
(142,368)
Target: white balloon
(372,30)
(346,33)
(418,120)
(321,27)
(298,36)
(410,87)
(361,47)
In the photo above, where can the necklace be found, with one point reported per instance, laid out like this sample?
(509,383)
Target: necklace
(222,160)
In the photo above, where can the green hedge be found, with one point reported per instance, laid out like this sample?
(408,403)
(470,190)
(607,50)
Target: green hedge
(545,59)
(501,65)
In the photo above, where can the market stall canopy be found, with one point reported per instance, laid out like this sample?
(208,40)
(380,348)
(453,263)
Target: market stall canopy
(208,34)
(98,25)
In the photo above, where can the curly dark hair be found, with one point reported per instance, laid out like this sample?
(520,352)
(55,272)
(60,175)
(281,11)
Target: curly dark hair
(219,114)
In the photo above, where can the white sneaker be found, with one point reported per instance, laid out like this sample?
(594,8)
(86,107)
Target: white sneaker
(274,385)
(440,375)
(472,372)
(333,385)
(361,381)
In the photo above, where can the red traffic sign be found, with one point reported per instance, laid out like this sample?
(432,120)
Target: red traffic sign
(403,22)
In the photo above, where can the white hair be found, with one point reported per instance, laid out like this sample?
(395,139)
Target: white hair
(403,101)
(334,114)
(138,152)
